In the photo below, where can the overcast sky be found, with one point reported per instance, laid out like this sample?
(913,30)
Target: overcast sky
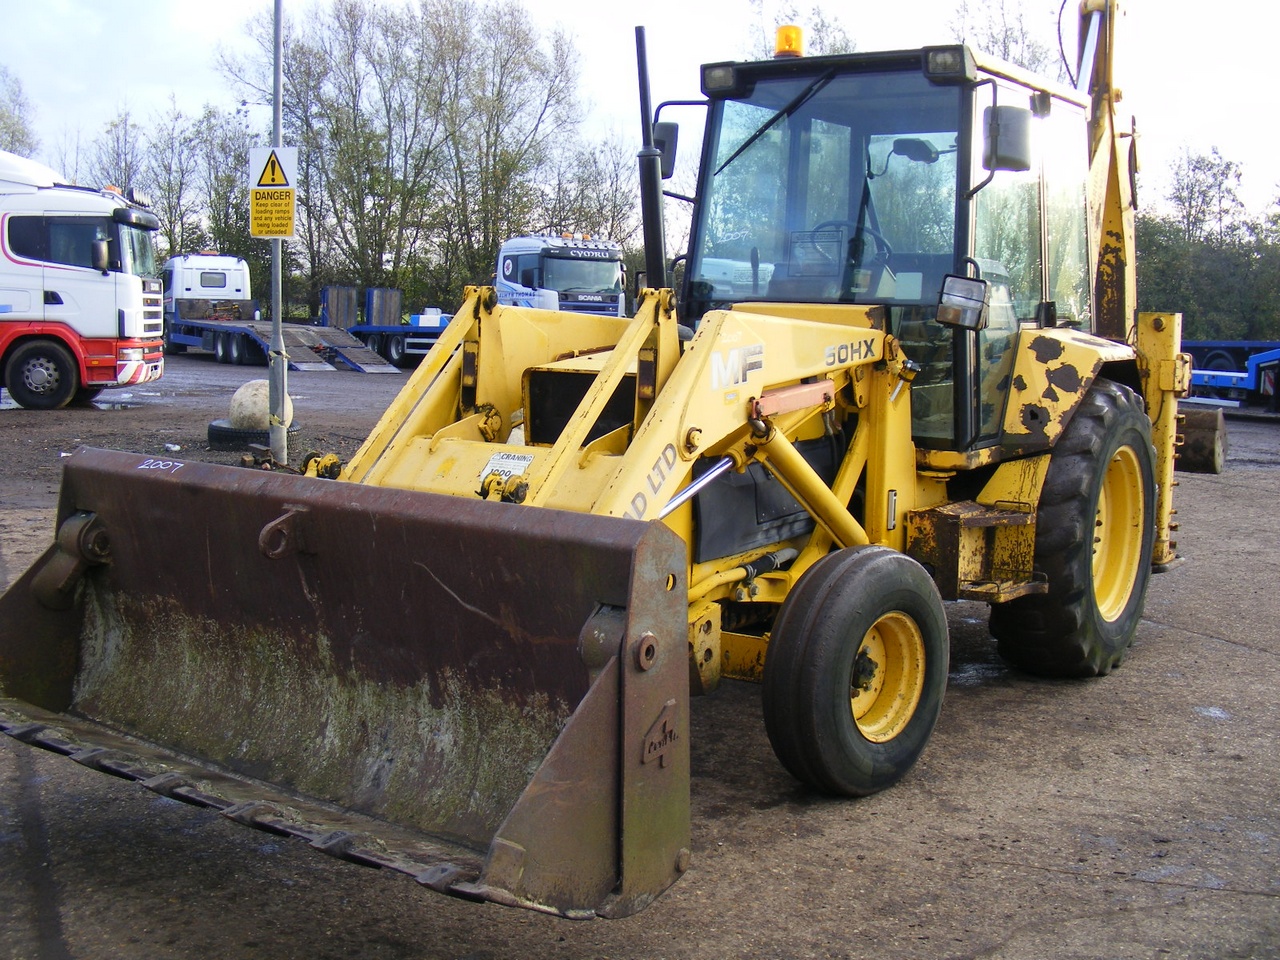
(1196,75)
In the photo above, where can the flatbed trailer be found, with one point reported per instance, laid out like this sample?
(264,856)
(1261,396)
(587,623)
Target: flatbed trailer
(398,343)
(1235,373)
(307,347)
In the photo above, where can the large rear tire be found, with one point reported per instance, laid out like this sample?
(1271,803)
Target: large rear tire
(395,350)
(237,349)
(855,671)
(1095,529)
(42,375)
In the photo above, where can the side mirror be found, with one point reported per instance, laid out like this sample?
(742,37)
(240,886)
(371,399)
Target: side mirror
(964,302)
(665,136)
(100,256)
(1006,141)
(915,150)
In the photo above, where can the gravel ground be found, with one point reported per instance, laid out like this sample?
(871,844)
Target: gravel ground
(1131,816)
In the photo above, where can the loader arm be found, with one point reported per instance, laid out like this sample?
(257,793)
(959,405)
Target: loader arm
(1113,168)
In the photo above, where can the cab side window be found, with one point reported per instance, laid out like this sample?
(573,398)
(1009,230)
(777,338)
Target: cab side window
(71,240)
(29,237)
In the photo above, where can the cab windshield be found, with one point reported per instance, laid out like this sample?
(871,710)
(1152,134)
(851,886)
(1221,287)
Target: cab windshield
(582,276)
(828,189)
(137,252)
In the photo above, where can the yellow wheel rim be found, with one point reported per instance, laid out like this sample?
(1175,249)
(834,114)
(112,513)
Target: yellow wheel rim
(888,677)
(1117,534)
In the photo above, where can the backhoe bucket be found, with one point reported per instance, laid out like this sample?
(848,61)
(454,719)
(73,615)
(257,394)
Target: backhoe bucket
(490,698)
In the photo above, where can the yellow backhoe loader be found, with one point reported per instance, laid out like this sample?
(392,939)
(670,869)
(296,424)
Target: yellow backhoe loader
(904,367)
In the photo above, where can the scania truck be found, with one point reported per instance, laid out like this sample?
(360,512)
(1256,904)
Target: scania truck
(569,272)
(80,300)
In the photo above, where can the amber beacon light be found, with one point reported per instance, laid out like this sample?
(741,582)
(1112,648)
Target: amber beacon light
(789,42)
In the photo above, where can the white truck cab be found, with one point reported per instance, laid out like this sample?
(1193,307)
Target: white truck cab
(79,297)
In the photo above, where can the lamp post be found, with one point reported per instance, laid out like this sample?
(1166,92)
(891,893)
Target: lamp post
(278,386)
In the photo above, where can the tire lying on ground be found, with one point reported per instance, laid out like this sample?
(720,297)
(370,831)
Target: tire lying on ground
(1095,530)
(250,418)
(223,436)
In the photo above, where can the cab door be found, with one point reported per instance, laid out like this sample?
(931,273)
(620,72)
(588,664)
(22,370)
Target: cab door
(75,292)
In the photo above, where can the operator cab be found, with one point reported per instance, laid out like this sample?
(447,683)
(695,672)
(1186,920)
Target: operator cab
(867,179)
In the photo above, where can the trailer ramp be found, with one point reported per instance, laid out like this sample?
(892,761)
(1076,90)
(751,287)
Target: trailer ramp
(332,347)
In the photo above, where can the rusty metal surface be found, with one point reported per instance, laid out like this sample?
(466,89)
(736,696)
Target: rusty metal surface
(340,834)
(1203,447)
(975,551)
(404,656)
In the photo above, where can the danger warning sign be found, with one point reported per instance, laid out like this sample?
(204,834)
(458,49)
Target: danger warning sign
(272,204)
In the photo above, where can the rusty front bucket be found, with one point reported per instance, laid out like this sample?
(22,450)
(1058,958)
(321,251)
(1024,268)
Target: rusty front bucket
(490,698)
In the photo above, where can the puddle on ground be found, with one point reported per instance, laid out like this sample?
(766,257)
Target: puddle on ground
(117,402)
(975,674)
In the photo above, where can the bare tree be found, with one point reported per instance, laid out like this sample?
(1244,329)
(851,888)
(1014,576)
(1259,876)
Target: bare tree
(515,102)
(68,155)
(17,133)
(428,133)
(1002,28)
(823,34)
(117,154)
(593,191)
(171,171)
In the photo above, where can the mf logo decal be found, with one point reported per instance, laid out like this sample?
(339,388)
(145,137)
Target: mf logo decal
(731,367)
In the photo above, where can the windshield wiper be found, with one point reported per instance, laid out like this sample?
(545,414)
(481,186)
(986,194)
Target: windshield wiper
(795,104)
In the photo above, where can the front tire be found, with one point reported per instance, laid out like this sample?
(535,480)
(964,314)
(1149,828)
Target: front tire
(1095,529)
(855,671)
(42,375)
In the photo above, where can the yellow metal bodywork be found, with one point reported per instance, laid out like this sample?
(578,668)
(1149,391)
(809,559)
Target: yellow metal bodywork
(1052,371)
(461,427)
(1166,376)
(750,385)
(984,549)
(638,416)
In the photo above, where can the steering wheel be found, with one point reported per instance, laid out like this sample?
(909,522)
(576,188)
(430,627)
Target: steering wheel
(883,250)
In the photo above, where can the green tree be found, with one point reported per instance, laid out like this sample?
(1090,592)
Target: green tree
(17,133)
(1204,195)
(1204,257)
(221,142)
